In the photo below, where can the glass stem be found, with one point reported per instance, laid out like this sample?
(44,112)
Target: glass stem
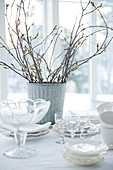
(72,134)
(62,136)
(82,135)
(20,137)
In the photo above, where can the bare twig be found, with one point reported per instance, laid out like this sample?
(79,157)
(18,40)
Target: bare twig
(32,64)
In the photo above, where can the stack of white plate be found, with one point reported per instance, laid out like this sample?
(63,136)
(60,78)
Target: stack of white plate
(85,152)
(33,131)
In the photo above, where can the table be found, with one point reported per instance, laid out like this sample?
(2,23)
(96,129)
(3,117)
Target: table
(49,156)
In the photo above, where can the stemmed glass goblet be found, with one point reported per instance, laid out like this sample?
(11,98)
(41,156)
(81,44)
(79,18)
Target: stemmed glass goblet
(20,115)
(83,124)
(72,125)
(60,123)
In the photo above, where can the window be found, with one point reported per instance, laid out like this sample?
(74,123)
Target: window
(104,62)
(69,12)
(94,78)
(17,84)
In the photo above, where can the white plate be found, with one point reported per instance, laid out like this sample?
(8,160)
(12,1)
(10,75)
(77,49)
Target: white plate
(92,115)
(84,152)
(86,147)
(34,131)
(83,162)
(94,129)
(29,135)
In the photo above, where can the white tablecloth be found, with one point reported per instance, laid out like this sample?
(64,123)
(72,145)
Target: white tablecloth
(49,156)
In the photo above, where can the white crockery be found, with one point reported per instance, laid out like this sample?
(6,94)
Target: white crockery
(86,147)
(85,152)
(105,111)
(34,131)
(106,119)
(83,160)
(106,106)
(107,134)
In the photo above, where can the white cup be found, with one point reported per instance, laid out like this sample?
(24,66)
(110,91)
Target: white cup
(107,134)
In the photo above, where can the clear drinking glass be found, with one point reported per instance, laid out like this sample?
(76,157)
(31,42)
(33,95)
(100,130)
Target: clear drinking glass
(71,125)
(60,124)
(19,115)
(83,123)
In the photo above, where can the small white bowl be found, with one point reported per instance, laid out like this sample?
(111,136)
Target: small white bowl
(107,106)
(106,119)
(107,134)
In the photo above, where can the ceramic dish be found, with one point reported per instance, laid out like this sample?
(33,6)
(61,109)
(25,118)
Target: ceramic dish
(30,136)
(106,119)
(92,130)
(85,147)
(34,131)
(106,106)
(92,115)
(84,157)
(84,152)
(81,161)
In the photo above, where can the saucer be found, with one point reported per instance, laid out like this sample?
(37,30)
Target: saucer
(85,152)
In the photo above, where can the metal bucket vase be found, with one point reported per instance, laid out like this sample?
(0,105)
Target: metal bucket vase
(55,93)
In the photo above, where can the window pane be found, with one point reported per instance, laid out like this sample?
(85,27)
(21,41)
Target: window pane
(17,84)
(105,61)
(69,13)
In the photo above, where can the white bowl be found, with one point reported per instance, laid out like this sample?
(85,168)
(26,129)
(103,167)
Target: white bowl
(107,134)
(106,119)
(107,106)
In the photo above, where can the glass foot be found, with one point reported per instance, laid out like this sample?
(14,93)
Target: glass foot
(20,153)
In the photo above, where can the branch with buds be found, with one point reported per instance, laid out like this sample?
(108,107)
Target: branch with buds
(32,64)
